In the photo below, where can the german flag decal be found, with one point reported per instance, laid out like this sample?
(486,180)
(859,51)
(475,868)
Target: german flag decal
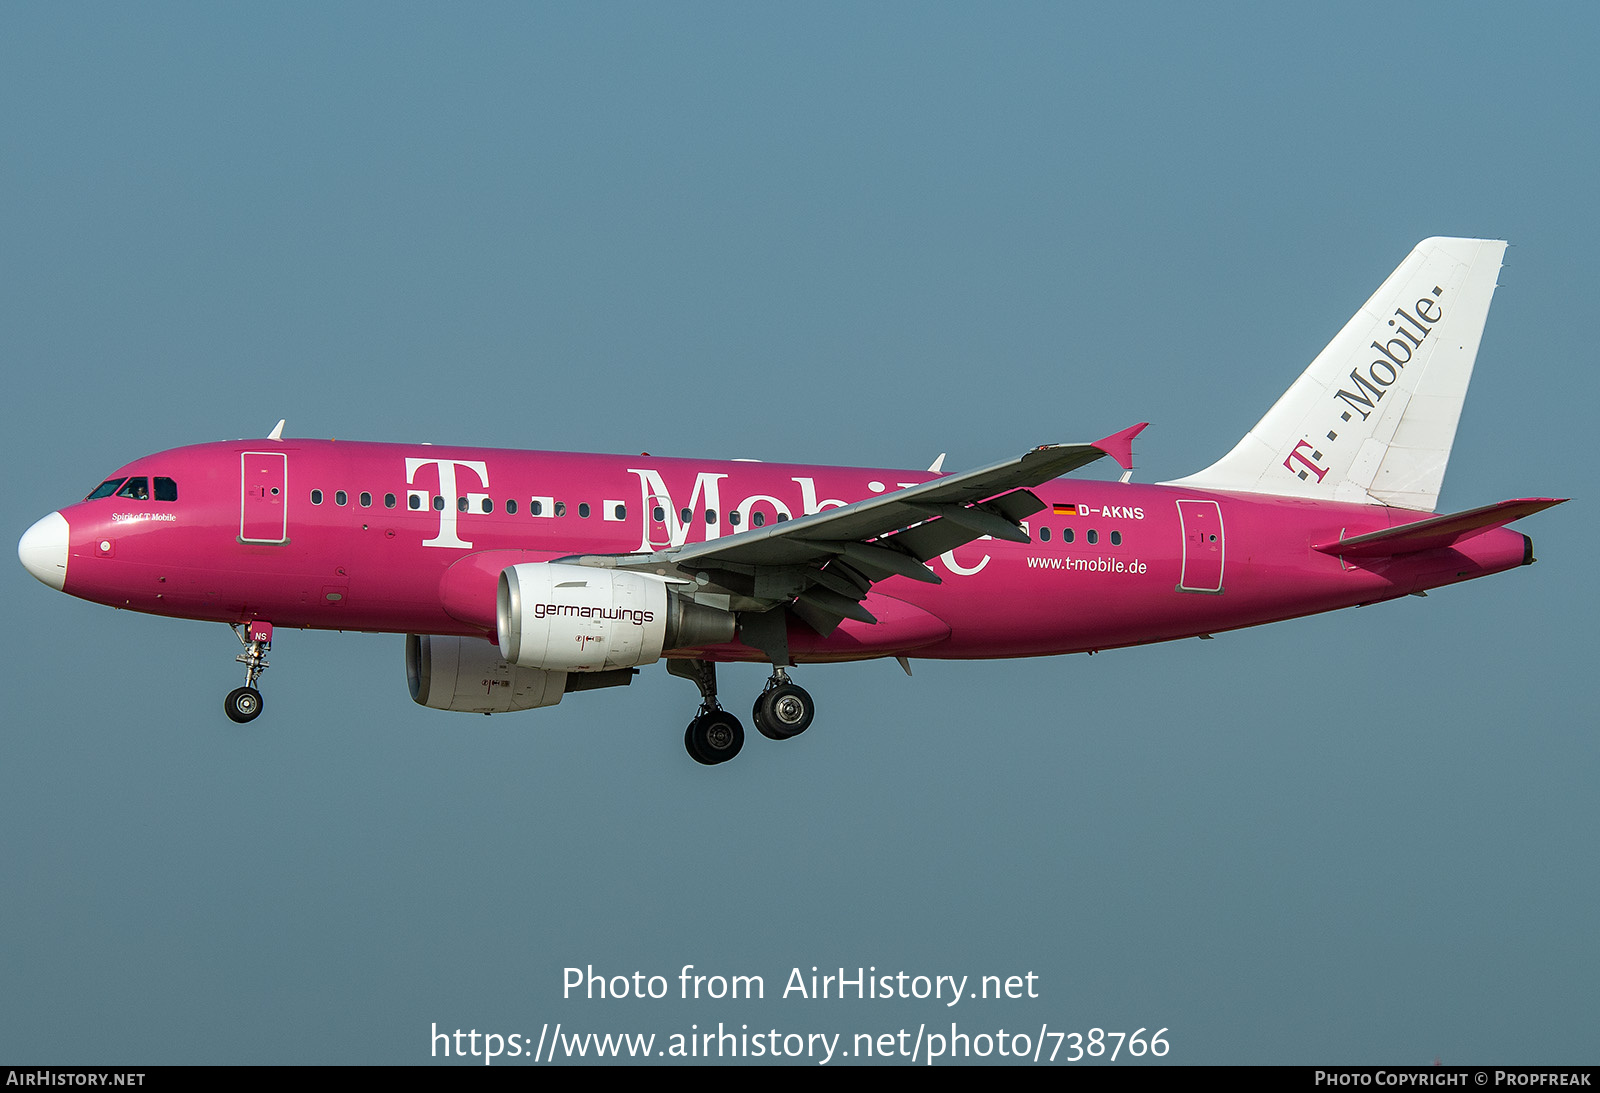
(1066,510)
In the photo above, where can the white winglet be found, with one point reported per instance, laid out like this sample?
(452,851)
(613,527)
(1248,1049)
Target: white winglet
(938,465)
(277,430)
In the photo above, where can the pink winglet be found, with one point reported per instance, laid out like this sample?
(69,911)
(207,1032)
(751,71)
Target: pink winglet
(1119,446)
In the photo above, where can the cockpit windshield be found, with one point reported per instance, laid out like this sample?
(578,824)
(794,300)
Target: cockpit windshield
(135,489)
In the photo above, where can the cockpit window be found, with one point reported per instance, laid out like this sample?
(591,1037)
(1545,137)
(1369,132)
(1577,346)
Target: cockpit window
(105,489)
(136,489)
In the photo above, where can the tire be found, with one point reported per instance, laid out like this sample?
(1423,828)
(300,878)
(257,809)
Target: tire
(714,738)
(243,704)
(785,711)
(760,719)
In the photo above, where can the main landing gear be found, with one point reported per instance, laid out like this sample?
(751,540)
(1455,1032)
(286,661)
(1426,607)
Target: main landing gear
(243,704)
(783,710)
(715,735)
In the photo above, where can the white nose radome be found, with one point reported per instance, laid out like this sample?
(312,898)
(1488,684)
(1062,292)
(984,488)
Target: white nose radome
(43,550)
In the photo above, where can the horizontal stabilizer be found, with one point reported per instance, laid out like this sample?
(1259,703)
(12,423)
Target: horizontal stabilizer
(1439,531)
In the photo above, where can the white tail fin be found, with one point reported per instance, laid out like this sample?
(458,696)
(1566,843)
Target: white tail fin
(1372,420)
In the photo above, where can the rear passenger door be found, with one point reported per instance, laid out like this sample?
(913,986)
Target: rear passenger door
(1203,546)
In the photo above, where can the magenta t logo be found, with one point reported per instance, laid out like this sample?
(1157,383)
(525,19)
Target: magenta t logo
(1307,462)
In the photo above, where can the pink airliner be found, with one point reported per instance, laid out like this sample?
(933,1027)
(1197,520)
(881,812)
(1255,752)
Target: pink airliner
(519,577)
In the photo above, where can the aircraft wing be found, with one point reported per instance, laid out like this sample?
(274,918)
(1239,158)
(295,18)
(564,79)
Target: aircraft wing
(828,561)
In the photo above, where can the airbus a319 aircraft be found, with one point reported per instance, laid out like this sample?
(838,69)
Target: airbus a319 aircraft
(519,577)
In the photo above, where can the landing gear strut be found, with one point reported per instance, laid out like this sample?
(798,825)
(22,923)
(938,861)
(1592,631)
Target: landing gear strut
(782,709)
(715,735)
(243,704)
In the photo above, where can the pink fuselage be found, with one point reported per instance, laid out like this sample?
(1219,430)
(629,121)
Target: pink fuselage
(1164,562)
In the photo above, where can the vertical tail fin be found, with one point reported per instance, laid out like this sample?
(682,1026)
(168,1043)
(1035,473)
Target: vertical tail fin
(1372,420)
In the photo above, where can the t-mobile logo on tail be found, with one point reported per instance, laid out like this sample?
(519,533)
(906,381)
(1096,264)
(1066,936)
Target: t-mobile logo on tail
(1306,462)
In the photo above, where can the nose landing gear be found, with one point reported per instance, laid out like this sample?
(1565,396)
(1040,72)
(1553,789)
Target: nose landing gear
(243,704)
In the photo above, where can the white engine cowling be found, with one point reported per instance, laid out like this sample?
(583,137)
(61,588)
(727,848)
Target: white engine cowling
(468,675)
(569,618)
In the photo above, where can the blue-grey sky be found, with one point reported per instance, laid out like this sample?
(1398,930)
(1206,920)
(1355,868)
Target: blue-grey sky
(861,234)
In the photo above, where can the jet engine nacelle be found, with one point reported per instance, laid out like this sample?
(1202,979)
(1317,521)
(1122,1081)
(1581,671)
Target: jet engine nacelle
(468,675)
(571,618)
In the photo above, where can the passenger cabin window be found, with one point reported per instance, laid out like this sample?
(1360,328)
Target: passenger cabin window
(316,497)
(1093,537)
(1044,535)
(105,489)
(1067,535)
(166,489)
(461,504)
(388,500)
(535,507)
(340,498)
(1116,538)
(416,501)
(488,505)
(733,518)
(622,512)
(136,489)
(561,508)
(366,499)
(583,510)
(511,506)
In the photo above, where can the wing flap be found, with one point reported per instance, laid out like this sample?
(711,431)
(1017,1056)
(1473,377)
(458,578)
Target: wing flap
(933,538)
(979,520)
(824,599)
